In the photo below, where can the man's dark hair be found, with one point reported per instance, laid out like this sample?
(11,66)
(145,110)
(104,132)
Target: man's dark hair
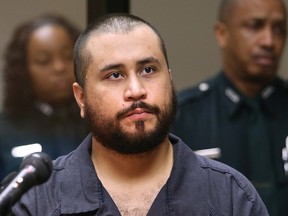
(110,23)
(18,92)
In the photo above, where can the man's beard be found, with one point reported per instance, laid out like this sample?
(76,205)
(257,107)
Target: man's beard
(109,132)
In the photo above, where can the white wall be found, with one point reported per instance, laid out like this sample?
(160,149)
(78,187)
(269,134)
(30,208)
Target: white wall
(14,11)
(187,27)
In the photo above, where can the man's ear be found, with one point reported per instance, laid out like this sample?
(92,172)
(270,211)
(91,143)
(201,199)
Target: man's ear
(170,73)
(80,98)
(221,34)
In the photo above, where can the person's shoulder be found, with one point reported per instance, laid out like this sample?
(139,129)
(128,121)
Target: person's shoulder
(51,191)
(61,162)
(72,159)
(202,161)
(220,173)
(217,181)
(204,165)
(198,92)
(218,167)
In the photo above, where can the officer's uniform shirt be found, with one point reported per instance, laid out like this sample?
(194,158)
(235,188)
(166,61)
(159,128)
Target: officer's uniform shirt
(215,114)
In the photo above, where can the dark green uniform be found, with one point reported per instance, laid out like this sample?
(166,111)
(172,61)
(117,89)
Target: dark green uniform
(58,131)
(214,114)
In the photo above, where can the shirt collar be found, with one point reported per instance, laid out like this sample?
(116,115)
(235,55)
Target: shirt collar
(267,92)
(234,100)
(81,183)
(85,185)
(44,108)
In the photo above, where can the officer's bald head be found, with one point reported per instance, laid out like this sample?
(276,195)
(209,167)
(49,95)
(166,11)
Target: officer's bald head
(227,7)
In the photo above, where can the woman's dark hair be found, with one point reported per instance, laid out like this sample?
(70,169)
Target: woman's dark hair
(18,93)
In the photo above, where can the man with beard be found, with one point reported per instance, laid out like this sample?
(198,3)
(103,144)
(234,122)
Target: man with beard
(243,109)
(130,164)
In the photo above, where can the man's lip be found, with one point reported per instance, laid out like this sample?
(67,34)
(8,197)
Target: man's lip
(265,59)
(137,111)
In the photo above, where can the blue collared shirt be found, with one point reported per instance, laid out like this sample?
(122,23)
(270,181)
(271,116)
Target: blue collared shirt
(196,186)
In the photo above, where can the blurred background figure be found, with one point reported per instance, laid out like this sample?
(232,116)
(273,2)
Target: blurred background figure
(243,110)
(39,107)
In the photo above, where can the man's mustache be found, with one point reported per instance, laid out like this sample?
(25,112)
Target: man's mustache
(138,104)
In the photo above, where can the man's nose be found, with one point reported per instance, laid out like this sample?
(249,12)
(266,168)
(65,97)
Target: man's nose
(135,89)
(268,38)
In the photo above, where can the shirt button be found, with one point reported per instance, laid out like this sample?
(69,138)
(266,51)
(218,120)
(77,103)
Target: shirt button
(203,87)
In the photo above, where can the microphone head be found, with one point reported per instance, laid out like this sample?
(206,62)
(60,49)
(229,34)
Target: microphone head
(42,163)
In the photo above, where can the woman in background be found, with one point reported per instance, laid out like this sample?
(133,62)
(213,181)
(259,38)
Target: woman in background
(39,106)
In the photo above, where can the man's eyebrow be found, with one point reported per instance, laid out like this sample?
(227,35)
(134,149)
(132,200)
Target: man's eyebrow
(140,62)
(148,60)
(111,66)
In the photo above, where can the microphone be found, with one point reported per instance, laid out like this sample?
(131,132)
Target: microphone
(35,169)
(7,180)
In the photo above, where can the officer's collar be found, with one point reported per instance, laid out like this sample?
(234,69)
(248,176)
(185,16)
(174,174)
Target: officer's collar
(235,100)
(44,108)
(60,111)
(235,97)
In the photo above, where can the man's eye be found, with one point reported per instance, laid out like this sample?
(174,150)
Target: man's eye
(148,70)
(255,25)
(115,76)
(280,30)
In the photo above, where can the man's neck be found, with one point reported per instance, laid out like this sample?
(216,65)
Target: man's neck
(113,165)
(133,182)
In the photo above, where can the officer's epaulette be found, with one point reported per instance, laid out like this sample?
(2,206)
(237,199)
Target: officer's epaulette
(196,92)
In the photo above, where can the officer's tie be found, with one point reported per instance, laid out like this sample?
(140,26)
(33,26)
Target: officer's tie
(260,153)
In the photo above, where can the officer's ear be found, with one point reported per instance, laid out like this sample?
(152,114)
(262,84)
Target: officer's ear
(221,34)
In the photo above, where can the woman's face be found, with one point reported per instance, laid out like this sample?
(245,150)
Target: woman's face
(50,64)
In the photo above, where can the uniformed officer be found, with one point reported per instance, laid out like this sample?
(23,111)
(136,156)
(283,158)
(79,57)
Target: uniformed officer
(243,110)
